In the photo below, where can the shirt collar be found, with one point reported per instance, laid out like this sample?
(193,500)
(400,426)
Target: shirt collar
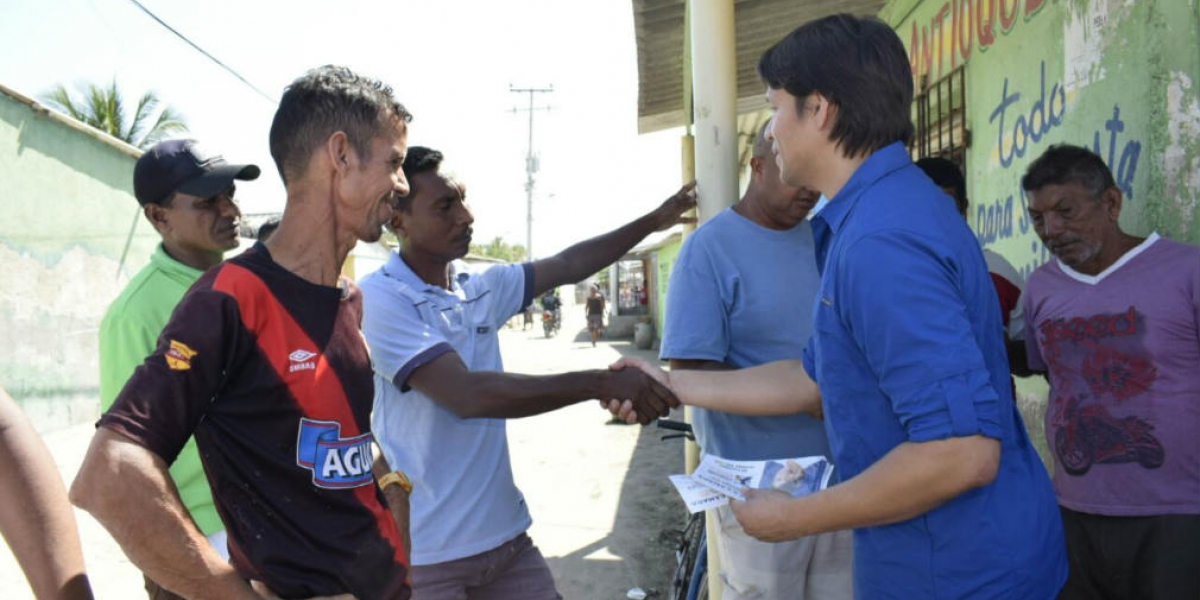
(399,270)
(164,262)
(883,162)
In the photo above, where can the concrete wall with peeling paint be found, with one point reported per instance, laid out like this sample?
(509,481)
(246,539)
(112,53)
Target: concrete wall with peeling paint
(67,209)
(1119,76)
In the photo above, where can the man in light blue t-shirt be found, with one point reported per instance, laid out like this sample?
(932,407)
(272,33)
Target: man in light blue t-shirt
(741,294)
(441,394)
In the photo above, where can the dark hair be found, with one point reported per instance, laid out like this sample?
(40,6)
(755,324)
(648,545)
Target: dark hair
(859,65)
(267,228)
(946,174)
(419,159)
(326,100)
(1063,163)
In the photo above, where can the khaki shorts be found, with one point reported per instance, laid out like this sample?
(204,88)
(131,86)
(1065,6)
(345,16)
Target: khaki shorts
(818,567)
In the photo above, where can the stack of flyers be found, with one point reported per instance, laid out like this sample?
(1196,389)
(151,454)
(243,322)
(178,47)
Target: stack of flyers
(717,480)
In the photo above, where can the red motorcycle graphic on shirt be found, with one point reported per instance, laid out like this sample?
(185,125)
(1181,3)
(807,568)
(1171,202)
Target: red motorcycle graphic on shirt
(1091,435)
(1085,432)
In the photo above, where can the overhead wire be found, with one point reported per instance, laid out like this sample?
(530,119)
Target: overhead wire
(189,42)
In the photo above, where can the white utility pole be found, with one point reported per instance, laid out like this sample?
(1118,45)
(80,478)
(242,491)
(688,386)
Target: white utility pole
(531,163)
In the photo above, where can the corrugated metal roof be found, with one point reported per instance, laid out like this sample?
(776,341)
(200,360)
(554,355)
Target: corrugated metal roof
(659,32)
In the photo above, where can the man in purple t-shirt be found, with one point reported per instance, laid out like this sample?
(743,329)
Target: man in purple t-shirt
(1114,322)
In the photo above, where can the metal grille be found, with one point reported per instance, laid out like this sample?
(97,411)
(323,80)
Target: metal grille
(940,115)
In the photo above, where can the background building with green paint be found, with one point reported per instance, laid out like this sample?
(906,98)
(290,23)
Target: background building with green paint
(1002,80)
(68,211)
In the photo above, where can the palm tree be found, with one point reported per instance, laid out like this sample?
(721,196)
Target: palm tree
(104,109)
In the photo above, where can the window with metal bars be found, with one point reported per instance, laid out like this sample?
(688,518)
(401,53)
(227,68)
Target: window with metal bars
(940,118)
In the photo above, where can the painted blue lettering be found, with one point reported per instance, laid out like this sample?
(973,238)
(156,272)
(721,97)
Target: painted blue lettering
(1005,101)
(1044,115)
(1125,168)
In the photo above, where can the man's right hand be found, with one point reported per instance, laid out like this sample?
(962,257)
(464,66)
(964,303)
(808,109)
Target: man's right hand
(644,397)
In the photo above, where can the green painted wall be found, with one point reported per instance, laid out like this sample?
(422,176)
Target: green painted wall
(68,206)
(1119,77)
(666,262)
(1115,76)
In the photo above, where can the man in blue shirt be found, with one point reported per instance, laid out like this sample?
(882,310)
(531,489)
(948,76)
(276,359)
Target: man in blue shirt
(442,396)
(946,494)
(741,295)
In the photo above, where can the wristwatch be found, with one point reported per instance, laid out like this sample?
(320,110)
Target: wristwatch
(396,478)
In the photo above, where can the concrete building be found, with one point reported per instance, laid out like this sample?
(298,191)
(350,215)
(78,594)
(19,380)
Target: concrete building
(997,82)
(66,251)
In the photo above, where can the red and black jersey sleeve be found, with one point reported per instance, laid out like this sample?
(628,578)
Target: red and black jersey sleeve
(162,403)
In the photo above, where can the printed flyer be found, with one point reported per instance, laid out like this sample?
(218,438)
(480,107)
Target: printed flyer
(717,480)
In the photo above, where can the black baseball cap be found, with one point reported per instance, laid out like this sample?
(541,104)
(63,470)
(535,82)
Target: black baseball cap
(182,166)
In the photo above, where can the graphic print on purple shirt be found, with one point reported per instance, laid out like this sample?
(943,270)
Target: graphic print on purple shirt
(1085,433)
(1122,353)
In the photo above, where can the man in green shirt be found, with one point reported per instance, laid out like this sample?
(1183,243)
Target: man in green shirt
(188,196)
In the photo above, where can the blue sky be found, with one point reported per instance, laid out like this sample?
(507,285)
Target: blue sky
(451,63)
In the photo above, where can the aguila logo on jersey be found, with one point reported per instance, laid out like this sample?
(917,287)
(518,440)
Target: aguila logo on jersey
(336,462)
(179,356)
(302,360)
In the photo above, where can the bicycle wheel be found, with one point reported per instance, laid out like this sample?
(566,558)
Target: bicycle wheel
(691,542)
(702,593)
(698,584)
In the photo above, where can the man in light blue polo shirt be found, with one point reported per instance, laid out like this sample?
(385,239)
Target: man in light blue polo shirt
(946,494)
(741,295)
(441,396)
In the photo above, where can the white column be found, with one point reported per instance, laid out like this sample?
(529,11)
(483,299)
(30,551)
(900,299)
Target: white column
(714,79)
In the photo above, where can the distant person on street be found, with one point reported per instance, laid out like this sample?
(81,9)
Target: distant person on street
(188,197)
(263,361)
(1114,322)
(595,314)
(741,294)
(551,303)
(442,396)
(35,517)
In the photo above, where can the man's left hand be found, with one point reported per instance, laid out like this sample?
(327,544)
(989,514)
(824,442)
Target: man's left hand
(671,211)
(764,515)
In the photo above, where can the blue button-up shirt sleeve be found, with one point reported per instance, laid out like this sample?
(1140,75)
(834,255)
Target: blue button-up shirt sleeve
(809,359)
(910,319)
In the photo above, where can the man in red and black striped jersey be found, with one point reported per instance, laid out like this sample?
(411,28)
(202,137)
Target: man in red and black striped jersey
(264,364)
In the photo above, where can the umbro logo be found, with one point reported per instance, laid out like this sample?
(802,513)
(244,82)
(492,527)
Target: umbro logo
(302,360)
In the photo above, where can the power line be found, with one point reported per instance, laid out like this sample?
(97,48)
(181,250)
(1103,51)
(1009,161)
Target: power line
(531,162)
(202,51)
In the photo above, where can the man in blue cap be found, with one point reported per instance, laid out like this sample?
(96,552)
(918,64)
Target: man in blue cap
(188,196)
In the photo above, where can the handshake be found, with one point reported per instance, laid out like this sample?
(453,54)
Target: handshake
(778,388)
(636,391)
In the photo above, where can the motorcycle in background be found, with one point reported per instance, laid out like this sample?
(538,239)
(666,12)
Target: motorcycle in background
(550,322)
